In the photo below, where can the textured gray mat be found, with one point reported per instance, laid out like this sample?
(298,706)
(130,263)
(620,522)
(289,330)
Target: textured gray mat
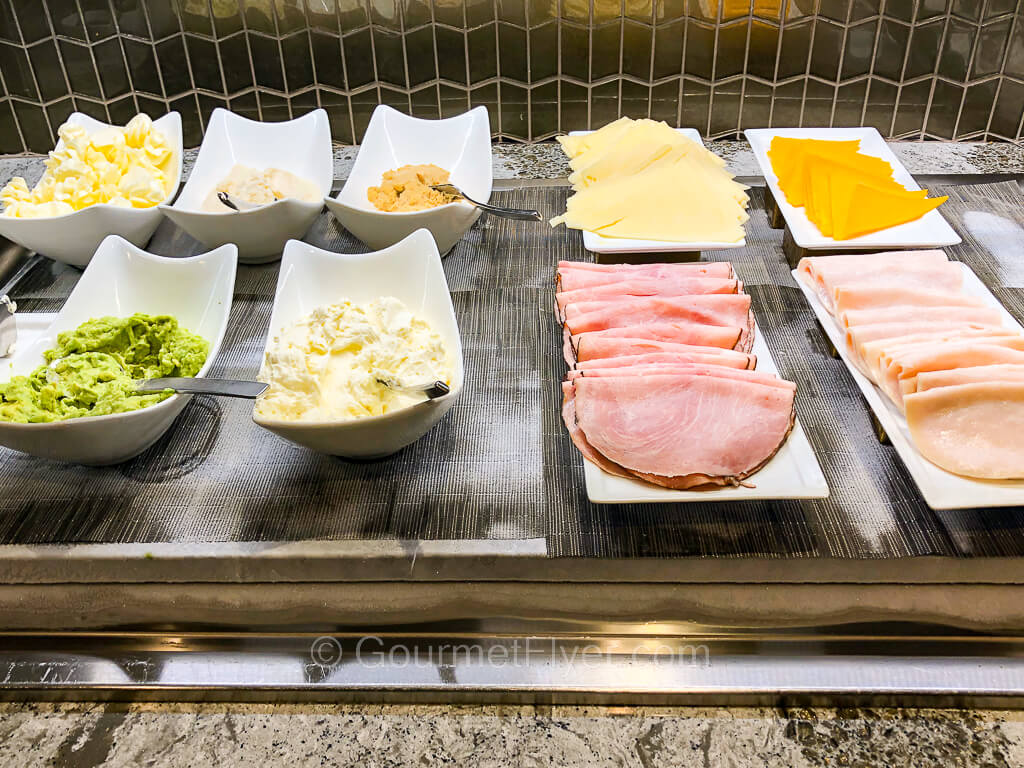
(500,465)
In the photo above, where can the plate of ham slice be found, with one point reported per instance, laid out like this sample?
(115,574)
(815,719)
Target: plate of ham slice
(930,230)
(671,395)
(944,352)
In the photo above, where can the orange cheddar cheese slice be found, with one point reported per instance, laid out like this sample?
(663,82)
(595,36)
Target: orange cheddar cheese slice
(844,193)
(792,155)
(872,209)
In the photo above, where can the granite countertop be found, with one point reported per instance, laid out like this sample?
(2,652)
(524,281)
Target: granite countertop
(546,161)
(229,735)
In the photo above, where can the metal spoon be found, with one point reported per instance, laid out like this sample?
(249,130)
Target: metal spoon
(521,214)
(432,389)
(185,385)
(194,386)
(237,204)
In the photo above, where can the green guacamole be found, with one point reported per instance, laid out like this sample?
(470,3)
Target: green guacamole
(96,365)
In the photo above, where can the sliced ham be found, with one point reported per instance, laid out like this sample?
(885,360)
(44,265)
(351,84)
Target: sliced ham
(593,347)
(731,311)
(975,375)
(684,431)
(862,298)
(696,334)
(971,429)
(673,286)
(579,439)
(721,357)
(911,314)
(573,275)
(691,369)
(713,268)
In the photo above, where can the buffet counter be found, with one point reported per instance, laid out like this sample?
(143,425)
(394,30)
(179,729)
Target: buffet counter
(225,563)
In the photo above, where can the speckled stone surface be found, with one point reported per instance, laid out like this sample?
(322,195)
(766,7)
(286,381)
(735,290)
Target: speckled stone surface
(546,161)
(83,736)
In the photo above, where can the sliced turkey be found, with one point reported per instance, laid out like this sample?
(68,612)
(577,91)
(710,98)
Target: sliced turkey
(973,375)
(901,313)
(971,429)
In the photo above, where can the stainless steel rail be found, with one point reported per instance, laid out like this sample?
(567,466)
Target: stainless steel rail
(860,669)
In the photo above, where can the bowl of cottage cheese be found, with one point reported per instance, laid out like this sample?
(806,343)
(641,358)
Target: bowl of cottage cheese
(349,336)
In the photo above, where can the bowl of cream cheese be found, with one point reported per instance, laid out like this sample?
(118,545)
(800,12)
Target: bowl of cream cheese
(344,324)
(275,174)
(100,180)
(400,157)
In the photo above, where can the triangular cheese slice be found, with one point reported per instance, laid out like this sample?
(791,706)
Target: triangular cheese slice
(640,206)
(820,192)
(872,209)
(606,136)
(789,155)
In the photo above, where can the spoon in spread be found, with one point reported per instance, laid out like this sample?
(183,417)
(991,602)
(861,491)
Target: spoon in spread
(194,386)
(432,389)
(183,384)
(521,214)
(237,204)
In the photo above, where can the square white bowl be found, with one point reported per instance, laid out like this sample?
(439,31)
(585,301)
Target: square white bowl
(411,272)
(460,145)
(74,237)
(120,280)
(596,243)
(301,146)
(931,230)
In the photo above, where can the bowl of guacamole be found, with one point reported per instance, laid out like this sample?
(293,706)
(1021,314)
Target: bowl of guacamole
(68,393)
(92,370)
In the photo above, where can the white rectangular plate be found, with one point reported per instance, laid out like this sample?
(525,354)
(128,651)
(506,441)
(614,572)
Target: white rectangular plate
(930,230)
(596,243)
(940,489)
(793,473)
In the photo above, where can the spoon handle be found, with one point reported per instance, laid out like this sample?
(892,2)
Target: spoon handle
(193,386)
(520,214)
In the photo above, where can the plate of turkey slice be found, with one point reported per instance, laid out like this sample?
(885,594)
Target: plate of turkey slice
(939,360)
(671,394)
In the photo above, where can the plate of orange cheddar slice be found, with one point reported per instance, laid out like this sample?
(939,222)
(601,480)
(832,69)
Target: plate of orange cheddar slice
(844,188)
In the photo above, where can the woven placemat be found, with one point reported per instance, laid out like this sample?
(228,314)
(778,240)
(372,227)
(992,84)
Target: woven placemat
(500,465)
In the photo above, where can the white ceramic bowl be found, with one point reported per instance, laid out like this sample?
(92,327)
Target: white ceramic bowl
(74,237)
(301,146)
(411,272)
(120,280)
(461,145)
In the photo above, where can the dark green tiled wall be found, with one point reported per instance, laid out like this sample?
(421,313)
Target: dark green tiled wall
(933,69)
